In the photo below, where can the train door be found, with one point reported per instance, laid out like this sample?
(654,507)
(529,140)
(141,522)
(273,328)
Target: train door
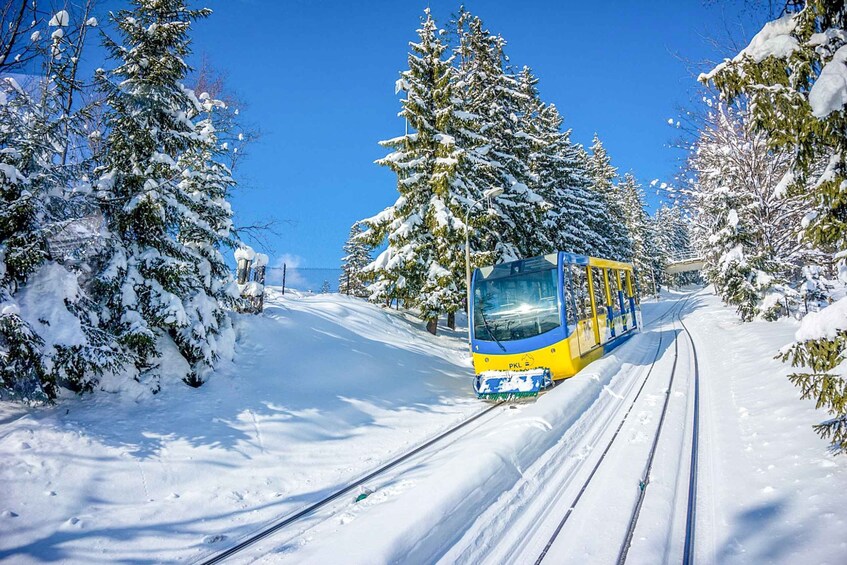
(632,298)
(617,297)
(597,284)
(584,323)
(612,313)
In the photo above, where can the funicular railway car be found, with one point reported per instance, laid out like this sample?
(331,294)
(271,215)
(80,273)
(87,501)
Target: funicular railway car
(544,318)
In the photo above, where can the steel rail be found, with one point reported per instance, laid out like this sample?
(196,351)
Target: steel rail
(691,515)
(688,552)
(265,532)
(582,490)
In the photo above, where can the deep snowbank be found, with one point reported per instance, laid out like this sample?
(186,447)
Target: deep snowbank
(326,388)
(436,503)
(323,389)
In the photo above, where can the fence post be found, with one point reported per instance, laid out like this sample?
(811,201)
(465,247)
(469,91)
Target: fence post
(259,265)
(283,278)
(243,268)
(244,257)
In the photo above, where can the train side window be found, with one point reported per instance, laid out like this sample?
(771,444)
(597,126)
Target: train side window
(599,283)
(633,282)
(580,292)
(613,286)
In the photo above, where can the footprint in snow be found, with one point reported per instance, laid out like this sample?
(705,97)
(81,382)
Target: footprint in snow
(217,538)
(638,437)
(25,445)
(9,514)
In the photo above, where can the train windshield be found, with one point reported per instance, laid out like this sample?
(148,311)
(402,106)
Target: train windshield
(515,307)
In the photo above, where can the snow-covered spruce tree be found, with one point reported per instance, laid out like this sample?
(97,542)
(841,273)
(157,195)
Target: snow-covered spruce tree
(479,169)
(613,222)
(424,261)
(562,178)
(357,255)
(494,95)
(639,228)
(793,75)
(204,220)
(22,250)
(163,284)
(50,338)
(749,225)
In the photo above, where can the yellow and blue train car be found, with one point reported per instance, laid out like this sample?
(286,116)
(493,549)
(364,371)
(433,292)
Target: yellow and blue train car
(544,318)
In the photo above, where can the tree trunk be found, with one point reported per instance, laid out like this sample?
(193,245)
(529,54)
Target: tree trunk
(432,325)
(451,320)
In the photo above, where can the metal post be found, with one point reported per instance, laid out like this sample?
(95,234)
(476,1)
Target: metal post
(283,278)
(488,194)
(243,271)
(468,276)
(259,277)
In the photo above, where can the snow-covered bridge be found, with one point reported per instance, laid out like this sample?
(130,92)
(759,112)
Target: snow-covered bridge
(685,263)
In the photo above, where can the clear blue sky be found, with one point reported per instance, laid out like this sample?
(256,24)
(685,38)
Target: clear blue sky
(318,78)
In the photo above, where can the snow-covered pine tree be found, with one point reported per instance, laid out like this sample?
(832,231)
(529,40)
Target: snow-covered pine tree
(205,225)
(357,255)
(424,260)
(50,337)
(613,224)
(749,225)
(793,74)
(560,167)
(638,226)
(495,97)
(162,285)
(479,170)
(22,250)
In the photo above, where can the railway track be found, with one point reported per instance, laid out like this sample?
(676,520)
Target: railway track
(348,489)
(691,495)
(351,487)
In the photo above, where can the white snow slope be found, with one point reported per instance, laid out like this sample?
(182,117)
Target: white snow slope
(325,388)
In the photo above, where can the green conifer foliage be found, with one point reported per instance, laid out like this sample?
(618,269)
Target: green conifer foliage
(638,227)
(424,228)
(357,256)
(613,223)
(163,283)
(49,338)
(577,218)
(505,109)
(796,95)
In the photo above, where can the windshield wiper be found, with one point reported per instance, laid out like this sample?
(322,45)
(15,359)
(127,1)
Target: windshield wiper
(488,329)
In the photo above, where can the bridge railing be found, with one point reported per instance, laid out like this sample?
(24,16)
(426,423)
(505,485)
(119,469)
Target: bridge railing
(685,256)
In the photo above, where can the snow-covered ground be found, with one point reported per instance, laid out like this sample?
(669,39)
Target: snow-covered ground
(325,388)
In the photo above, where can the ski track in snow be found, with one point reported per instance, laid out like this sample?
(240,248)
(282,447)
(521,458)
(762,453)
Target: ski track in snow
(326,388)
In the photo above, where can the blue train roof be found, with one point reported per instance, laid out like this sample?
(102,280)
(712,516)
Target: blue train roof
(532,264)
